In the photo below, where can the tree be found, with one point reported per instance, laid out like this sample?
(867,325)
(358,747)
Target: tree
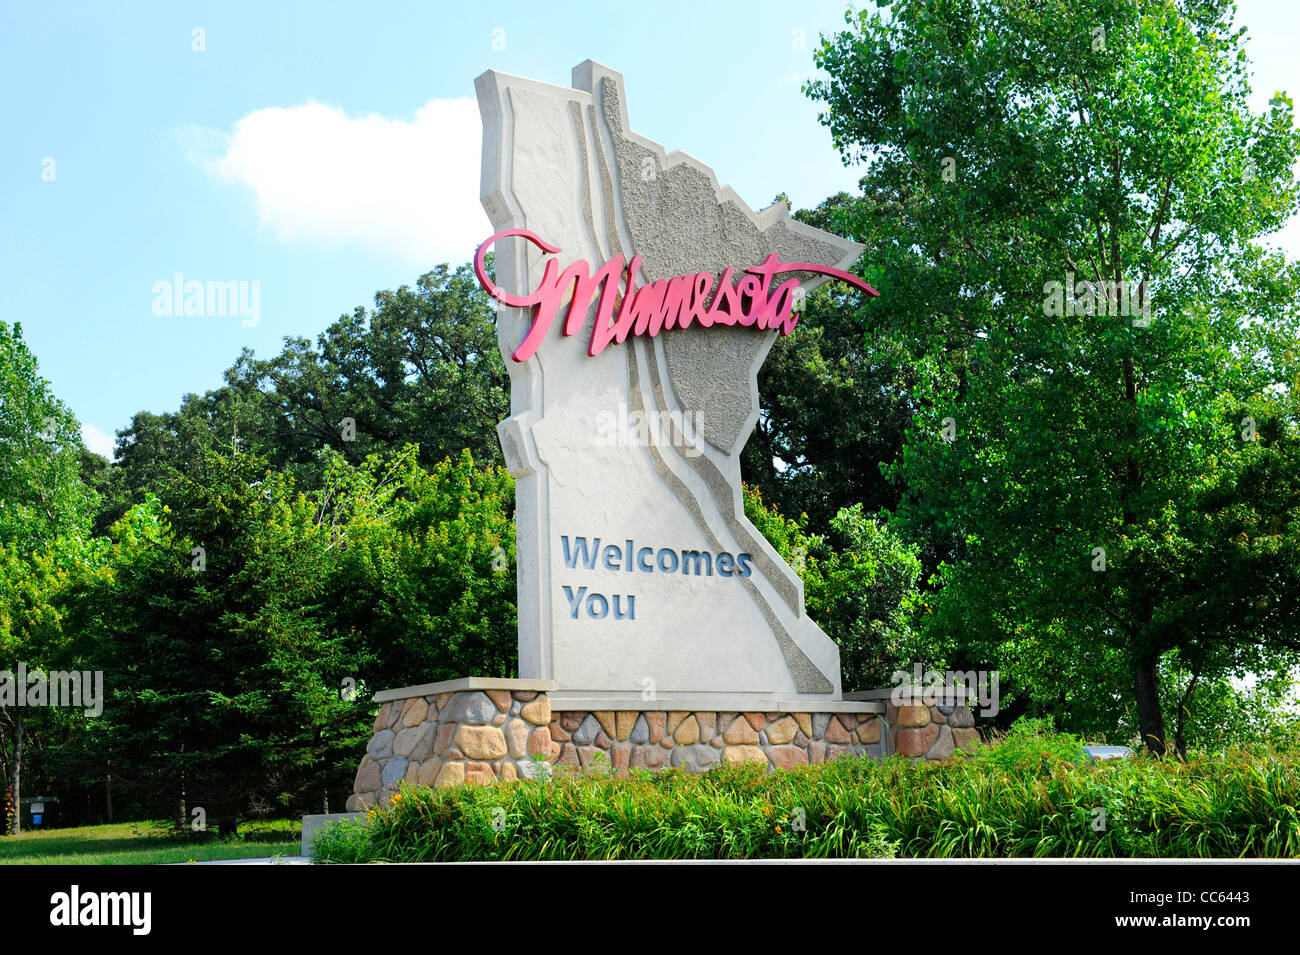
(41,492)
(1064,203)
(45,511)
(226,687)
(835,401)
(427,579)
(41,627)
(858,581)
(245,623)
(422,367)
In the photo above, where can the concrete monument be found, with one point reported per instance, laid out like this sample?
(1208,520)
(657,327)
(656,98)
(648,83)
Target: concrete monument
(638,572)
(657,627)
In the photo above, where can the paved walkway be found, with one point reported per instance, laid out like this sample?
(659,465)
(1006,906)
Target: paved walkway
(280,860)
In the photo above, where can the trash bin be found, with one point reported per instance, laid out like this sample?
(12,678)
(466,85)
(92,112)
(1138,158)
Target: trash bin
(38,811)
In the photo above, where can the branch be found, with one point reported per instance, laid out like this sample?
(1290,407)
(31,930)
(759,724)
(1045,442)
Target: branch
(1154,235)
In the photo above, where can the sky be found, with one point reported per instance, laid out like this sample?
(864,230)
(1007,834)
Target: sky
(314,153)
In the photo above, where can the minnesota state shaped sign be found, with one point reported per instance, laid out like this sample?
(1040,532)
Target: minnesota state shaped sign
(638,301)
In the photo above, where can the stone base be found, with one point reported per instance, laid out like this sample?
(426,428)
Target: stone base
(922,728)
(481,731)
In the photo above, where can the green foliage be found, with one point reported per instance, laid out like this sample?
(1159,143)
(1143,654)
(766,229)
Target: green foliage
(241,672)
(427,577)
(1240,805)
(342,842)
(41,492)
(869,582)
(790,538)
(834,407)
(857,582)
(1232,710)
(45,514)
(1010,147)
(223,683)
(1032,747)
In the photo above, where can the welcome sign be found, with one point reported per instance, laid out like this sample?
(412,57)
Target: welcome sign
(633,391)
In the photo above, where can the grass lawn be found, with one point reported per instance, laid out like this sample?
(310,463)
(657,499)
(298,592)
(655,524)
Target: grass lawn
(146,843)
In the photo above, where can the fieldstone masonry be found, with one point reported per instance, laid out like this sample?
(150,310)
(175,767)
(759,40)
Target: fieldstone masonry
(931,730)
(484,735)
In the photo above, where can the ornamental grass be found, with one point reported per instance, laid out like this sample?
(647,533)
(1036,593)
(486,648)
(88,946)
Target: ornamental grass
(991,804)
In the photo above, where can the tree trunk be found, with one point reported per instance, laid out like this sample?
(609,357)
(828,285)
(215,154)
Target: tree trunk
(16,773)
(182,813)
(1180,739)
(1151,723)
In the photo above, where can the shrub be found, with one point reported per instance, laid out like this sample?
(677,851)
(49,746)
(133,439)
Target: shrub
(1031,745)
(1242,804)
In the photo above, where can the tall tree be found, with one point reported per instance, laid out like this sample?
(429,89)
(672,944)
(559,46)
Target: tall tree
(428,575)
(42,495)
(1064,202)
(225,681)
(45,510)
(422,367)
(835,401)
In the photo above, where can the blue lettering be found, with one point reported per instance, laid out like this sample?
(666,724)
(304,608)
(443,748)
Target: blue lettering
(693,558)
(574,602)
(612,555)
(579,552)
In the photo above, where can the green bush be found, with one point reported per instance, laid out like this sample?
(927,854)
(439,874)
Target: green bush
(342,841)
(1240,804)
(1031,745)
(857,583)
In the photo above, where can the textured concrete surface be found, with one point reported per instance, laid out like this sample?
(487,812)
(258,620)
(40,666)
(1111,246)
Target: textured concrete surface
(565,163)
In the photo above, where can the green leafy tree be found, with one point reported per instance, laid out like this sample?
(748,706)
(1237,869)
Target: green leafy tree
(228,691)
(428,575)
(42,495)
(45,511)
(1063,204)
(42,607)
(858,582)
(835,402)
(870,585)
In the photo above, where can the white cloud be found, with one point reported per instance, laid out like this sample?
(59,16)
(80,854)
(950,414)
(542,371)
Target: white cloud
(408,188)
(98,441)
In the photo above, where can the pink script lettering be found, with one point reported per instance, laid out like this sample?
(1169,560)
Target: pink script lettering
(649,309)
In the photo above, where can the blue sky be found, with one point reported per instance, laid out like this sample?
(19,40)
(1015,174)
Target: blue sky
(325,151)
